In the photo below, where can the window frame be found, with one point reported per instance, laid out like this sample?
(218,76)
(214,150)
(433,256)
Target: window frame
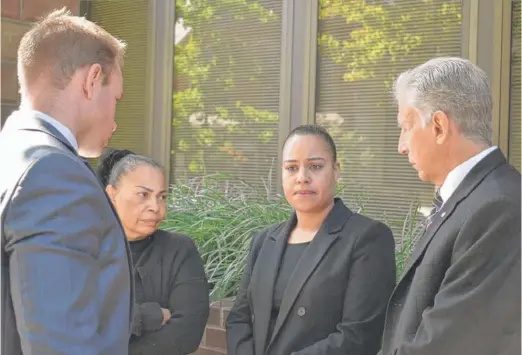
(299,60)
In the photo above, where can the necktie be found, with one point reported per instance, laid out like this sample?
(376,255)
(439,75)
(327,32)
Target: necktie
(437,205)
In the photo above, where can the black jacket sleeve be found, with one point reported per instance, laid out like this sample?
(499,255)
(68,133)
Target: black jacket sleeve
(148,317)
(239,320)
(189,306)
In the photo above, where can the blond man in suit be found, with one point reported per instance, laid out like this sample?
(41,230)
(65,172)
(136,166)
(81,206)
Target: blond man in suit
(66,281)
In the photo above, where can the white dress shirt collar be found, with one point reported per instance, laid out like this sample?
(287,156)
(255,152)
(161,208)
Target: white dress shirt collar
(64,131)
(458,174)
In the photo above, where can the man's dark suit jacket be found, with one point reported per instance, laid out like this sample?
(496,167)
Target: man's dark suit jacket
(335,300)
(66,277)
(460,293)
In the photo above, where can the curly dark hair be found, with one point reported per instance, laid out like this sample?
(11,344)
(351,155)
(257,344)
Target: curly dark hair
(115,163)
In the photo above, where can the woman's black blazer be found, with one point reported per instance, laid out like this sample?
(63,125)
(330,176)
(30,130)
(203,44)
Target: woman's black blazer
(336,299)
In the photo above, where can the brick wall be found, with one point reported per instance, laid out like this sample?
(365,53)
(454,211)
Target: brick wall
(17,16)
(214,339)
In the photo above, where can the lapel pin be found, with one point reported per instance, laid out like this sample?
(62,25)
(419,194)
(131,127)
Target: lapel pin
(443,214)
(301,311)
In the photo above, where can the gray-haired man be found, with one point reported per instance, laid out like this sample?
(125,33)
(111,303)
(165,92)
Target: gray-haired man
(460,293)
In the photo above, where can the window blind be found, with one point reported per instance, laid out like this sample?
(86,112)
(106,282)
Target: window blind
(226,90)
(363,46)
(514,119)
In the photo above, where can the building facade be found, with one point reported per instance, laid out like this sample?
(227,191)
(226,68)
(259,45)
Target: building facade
(215,86)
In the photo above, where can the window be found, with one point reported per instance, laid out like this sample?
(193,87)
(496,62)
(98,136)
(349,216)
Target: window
(514,115)
(226,90)
(5,113)
(362,46)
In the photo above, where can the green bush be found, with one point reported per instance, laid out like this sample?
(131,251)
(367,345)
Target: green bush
(220,213)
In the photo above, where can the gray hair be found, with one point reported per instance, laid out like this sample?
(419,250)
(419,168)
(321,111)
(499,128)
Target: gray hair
(130,163)
(115,163)
(455,86)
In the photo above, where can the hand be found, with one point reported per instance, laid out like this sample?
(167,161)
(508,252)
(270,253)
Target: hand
(166,316)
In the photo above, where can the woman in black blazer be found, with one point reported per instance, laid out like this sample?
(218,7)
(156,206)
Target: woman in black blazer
(171,290)
(317,284)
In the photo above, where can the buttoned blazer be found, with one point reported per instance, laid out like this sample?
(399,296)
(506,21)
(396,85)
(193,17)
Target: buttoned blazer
(336,297)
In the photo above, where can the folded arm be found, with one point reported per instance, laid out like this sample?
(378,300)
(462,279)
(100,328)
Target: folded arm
(189,307)
(148,317)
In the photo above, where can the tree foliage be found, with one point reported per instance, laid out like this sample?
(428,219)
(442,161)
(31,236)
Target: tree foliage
(227,69)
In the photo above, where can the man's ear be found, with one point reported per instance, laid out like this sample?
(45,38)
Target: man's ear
(93,79)
(111,192)
(440,126)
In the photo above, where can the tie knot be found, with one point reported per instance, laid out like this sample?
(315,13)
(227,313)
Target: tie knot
(437,201)
(437,205)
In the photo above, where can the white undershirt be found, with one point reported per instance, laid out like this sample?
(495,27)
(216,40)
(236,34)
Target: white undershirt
(457,175)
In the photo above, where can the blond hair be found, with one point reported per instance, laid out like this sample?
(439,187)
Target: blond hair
(59,44)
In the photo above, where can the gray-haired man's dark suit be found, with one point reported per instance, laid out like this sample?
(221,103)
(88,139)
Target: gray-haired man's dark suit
(66,285)
(461,292)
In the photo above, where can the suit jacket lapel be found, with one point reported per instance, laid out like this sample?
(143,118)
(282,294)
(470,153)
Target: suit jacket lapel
(35,123)
(266,278)
(470,182)
(311,258)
